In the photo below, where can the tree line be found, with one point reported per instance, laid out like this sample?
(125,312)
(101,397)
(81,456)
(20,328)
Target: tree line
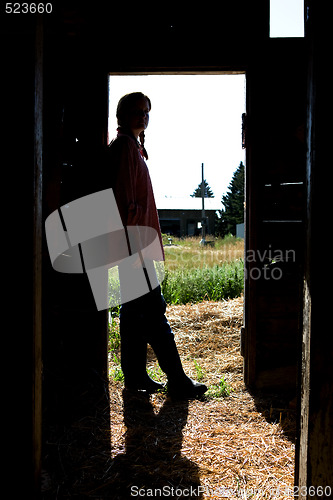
(232,212)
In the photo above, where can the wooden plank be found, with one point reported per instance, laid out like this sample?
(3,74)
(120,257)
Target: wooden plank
(283,201)
(37,262)
(314,471)
(277,378)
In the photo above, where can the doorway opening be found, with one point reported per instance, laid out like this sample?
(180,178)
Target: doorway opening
(186,129)
(196,130)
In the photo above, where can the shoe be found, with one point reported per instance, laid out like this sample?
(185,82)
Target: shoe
(148,385)
(186,389)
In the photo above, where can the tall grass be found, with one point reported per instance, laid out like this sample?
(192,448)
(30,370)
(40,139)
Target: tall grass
(194,273)
(195,285)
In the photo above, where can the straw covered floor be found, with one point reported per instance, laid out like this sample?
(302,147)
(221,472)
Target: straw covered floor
(239,445)
(224,447)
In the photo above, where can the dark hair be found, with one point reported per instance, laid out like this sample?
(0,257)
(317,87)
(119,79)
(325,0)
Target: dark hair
(125,105)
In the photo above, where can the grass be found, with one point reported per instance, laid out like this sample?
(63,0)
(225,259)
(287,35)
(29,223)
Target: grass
(194,273)
(200,372)
(184,286)
(187,253)
(220,390)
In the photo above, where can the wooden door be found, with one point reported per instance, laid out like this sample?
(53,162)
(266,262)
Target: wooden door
(275,175)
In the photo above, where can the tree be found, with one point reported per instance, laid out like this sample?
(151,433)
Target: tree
(207,190)
(233,202)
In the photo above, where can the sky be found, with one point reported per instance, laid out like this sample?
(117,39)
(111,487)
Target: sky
(194,119)
(286,18)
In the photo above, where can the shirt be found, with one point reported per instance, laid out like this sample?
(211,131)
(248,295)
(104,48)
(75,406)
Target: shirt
(132,187)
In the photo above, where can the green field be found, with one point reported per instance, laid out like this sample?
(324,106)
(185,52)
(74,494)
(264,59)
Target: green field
(194,273)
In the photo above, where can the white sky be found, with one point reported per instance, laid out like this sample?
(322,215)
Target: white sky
(286,18)
(194,119)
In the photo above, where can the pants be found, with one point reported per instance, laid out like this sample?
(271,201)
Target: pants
(142,322)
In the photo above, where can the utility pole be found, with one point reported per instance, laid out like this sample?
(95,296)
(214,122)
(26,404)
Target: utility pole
(203,218)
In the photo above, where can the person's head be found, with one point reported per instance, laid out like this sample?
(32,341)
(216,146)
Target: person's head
(133,112)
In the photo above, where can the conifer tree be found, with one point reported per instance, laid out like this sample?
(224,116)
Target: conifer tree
(233,203)
(208,192)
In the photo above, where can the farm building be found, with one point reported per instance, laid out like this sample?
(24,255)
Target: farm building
(55,67)
(183,216)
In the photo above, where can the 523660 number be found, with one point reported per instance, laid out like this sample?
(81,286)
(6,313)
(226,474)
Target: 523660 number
(28,8)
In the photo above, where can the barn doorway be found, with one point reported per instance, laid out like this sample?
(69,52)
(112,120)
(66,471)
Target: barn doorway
(197,118)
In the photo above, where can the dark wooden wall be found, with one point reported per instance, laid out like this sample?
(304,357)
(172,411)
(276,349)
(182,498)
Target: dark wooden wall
(75,120)
(314,455)
(21,166)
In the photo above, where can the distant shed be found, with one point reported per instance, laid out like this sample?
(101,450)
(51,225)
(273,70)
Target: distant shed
(240,230)
(183,216)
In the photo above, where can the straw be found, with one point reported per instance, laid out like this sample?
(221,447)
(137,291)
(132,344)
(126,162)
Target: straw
(216,447)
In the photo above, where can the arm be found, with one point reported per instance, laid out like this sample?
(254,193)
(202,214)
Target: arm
(124,157)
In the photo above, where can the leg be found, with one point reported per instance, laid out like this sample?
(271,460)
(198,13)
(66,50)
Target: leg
(134,348)
(161,339)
